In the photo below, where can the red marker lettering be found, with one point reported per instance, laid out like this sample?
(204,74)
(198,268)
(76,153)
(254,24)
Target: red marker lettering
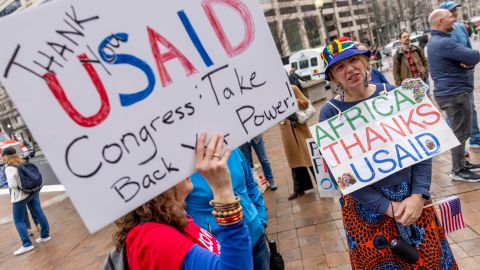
(59,94)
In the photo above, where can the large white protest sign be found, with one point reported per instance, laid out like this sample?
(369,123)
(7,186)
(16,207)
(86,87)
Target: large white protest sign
(115,92)
(381,136)
(326,186)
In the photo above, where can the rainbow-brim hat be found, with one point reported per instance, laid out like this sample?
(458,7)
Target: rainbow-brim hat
(338,50)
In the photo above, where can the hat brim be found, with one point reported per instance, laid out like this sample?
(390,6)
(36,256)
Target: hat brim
(344,55)
(453,6)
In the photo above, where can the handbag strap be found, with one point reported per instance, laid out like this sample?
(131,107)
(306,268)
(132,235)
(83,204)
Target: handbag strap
(340,113)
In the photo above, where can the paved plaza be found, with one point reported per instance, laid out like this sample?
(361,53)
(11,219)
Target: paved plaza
(309,230)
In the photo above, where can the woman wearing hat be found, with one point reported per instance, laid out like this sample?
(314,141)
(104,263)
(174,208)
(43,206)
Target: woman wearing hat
(390,208)
(21,200)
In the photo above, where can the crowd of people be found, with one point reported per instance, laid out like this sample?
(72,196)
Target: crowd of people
(216,218)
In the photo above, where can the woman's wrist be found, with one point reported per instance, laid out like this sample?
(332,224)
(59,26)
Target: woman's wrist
(224,196)
(227,212)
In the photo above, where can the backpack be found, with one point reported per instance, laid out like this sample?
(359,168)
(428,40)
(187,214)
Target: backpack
(30,178)
(116,260)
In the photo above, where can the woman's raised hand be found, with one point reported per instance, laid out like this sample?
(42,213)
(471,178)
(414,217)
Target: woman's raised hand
(211,163)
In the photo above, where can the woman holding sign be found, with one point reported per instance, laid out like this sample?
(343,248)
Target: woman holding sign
(294,135)
(389,213)
(160,235)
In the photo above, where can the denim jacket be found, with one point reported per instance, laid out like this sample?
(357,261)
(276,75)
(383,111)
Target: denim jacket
(244,186)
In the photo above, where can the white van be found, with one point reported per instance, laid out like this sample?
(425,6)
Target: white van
(308,63)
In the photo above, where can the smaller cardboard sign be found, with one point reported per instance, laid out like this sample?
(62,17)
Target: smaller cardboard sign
(381,136)
(326,187)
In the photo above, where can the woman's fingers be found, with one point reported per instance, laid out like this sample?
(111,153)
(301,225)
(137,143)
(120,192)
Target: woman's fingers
(200,149)
(226,155)
(211,147)
(218,147)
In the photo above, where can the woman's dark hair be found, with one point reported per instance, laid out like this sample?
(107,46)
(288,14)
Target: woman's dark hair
(401,33)
(164,209)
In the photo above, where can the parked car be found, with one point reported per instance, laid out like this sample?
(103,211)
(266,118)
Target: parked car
(25,152)
(387,50)
(392,47)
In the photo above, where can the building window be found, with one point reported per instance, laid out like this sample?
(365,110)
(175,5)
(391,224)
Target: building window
(344,14)
(274,30)
(359,11)
(10,8)
(328,5)
(292,32)
(288,10)
(362,21)
(342,4)
(331,28)
(328,18)
(346,24)
(266,1)
(270,12)
(311,26)
(308,8)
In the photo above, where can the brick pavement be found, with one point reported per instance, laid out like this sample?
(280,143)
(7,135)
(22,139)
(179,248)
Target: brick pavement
(309,230)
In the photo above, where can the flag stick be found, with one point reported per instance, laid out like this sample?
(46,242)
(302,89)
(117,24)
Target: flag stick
(441,201)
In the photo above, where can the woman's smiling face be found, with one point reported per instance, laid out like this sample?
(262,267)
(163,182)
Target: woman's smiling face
(350,72)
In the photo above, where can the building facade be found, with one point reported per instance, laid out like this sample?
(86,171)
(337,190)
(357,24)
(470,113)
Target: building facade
(302,24)
(11,122)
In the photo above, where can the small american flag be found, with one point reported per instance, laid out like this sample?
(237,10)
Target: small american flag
(451,212)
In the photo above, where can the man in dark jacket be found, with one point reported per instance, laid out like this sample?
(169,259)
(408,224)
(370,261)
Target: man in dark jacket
(295,79)
(451,67)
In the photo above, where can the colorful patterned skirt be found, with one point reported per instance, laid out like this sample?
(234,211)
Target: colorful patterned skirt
(368,235)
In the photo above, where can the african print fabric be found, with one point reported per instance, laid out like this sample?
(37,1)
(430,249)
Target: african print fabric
(369,233)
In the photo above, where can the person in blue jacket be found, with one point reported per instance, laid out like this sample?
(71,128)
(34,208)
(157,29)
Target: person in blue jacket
(255,213)
(3,177)
(451,69)
(460,35)
(375,75)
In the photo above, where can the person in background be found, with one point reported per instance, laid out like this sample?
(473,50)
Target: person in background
(460,35)
(376,55)
(3,176)
(258,144)
(375,76)
(293,136)
(160,235)
(246,188)
(409,61)
(450,64)
(295,79)
(21,200)
(393,206)
(4,184)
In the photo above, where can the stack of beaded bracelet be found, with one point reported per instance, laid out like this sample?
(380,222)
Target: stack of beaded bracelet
(227,213)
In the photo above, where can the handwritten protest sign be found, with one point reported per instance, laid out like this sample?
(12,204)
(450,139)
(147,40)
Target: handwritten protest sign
(116,95)
(381,136)
(326,187)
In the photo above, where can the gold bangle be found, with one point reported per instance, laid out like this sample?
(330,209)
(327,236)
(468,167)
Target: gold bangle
(224,204)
